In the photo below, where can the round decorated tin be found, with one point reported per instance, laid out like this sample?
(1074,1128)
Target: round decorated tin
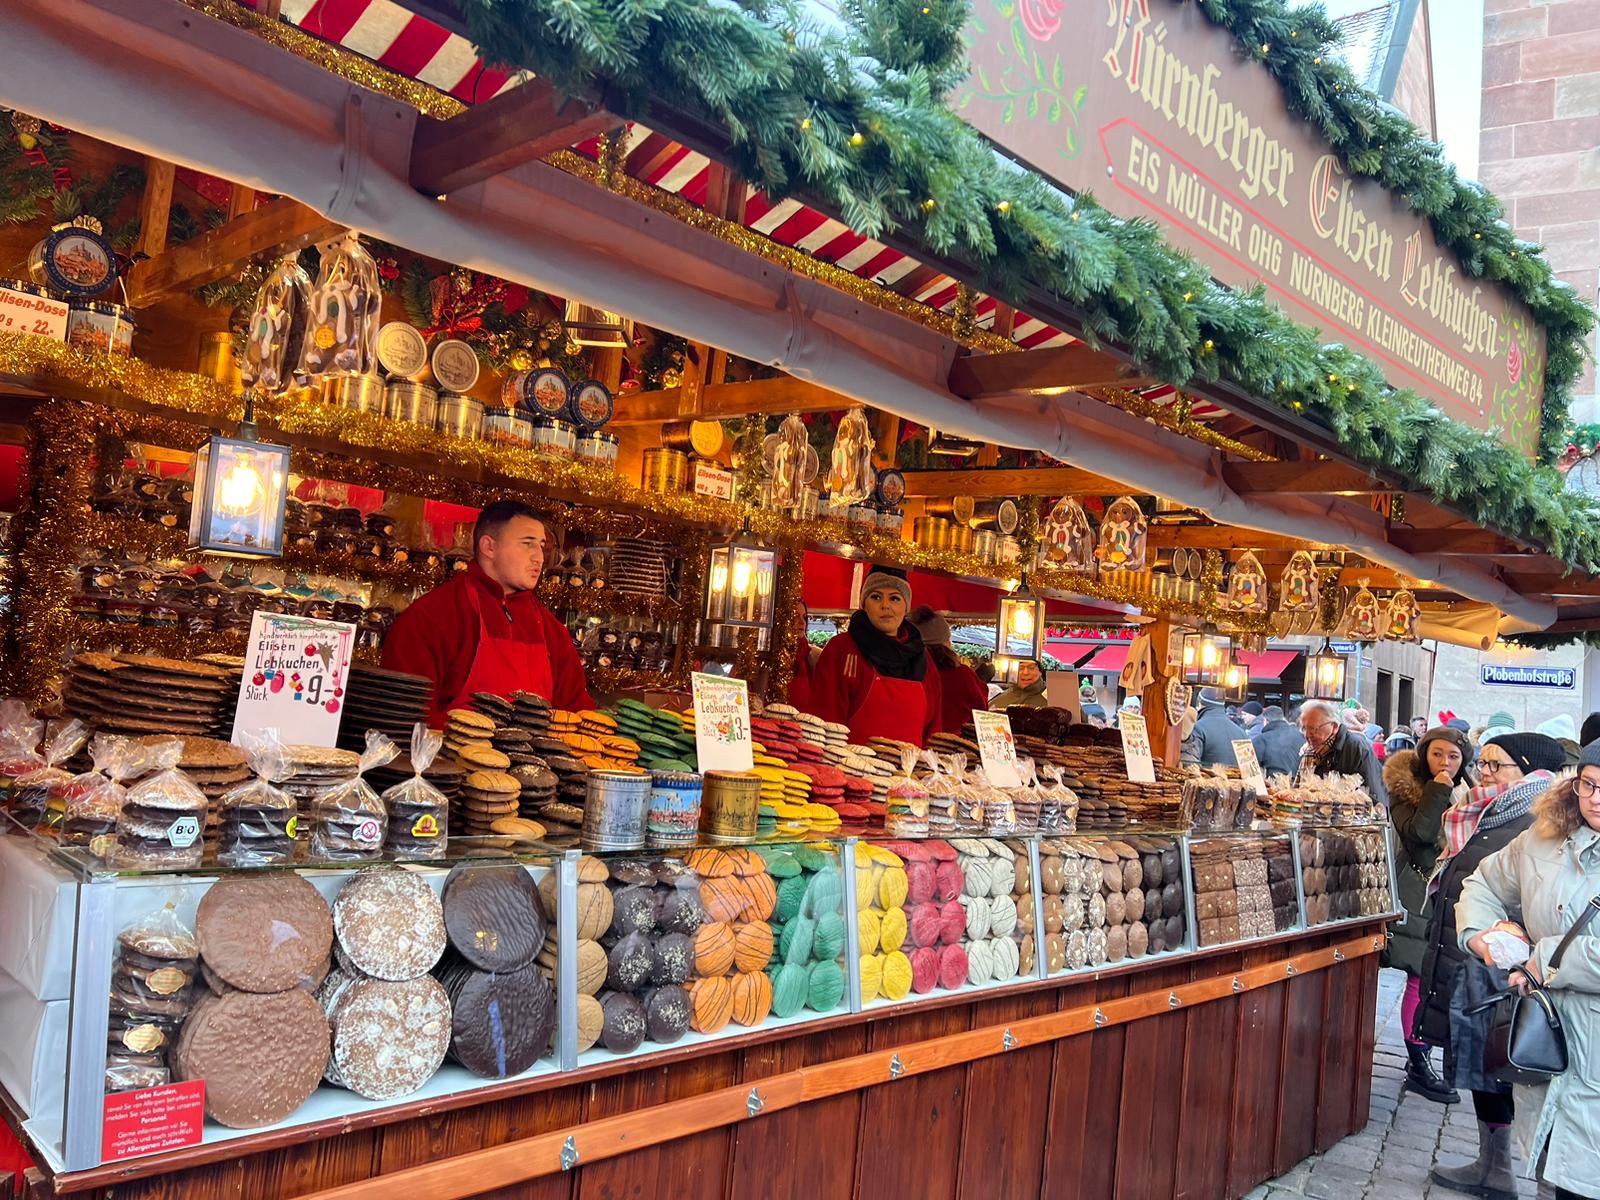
(401,350)
(673,818)
(729,805)
(598,449)
(591,404)
(100,326)
(547,392)
(555,438)
(614,810)
(75,260)
(891,486)
(507,427)
(455,365)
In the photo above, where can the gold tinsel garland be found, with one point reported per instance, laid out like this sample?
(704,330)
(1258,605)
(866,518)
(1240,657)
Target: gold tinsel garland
(786,608)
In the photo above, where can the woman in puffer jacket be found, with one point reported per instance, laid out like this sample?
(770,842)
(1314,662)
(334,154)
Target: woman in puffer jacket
(1422,784)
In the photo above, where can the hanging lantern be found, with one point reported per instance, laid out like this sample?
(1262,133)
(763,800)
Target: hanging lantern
(1234,681)
(1325,674)
(1019,631)
(590,326)
(739,583)
(240,493)
(1205,655)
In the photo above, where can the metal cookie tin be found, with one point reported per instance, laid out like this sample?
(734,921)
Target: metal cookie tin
(614,810)
(555,438)
(665,471)
(729,805)
(507,427)
(363,393)
(674,814)
(409,400)
(461,416)
(598,449)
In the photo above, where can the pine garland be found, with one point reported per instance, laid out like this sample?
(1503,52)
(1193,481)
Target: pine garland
(858,124)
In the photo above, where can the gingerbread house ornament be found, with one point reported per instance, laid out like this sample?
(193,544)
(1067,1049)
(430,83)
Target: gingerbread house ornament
(1297,587)
(1122,537)
(1247,588)
(1068,537)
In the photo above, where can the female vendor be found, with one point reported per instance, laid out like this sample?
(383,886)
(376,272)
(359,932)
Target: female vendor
(876,677)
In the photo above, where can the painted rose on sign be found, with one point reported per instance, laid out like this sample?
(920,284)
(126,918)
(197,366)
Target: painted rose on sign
(1514,364)
(1041,18)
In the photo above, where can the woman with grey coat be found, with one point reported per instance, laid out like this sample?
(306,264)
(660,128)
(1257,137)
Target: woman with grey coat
(1534,889)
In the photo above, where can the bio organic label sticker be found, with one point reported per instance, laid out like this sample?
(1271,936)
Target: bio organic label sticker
(997,747)
(1136,748)
(722,723)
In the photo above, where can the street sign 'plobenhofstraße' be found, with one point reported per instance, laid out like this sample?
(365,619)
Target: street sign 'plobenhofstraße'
(1546,677)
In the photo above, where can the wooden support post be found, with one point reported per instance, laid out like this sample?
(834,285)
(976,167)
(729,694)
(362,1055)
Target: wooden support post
(1166,739)
(606,363)
(885,438)
(242,201)
(156,208)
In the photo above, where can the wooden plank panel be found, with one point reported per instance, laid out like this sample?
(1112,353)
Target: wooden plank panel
(805,1153)
(1208,1088)
(1258,1057)
(924,1112)
(700,1159)
(1008,1107)
(1050,371)
(304,1168)
(1341,1064)
(1152,1092)
(1301,1071)
(1366,1038)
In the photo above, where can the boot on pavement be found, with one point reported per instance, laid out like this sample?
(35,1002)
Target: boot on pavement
(1490,1176)
(1422,1079)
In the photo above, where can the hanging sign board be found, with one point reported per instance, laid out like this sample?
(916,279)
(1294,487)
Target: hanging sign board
(295,670)
(722,723)
(1136,748)
(1150,106)
(1244,753)
(996,747)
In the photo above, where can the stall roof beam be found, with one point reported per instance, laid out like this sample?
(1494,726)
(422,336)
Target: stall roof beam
(282,226)
(1472,542)
(515,127)
(1050,371)
(717,401)
(1011,481)
(1299,478)
(1221,537)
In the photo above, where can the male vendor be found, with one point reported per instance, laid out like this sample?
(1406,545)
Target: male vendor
(485,630)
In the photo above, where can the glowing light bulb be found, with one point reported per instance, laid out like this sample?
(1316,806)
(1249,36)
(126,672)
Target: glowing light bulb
(1022,621)
(742,571)
(240,491)
(719,577)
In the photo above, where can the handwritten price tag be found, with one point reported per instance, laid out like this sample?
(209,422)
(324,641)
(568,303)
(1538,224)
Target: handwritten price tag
(722,723)
(1136,748)
(21,312)
(294,677)
(996,747)
(1244,752)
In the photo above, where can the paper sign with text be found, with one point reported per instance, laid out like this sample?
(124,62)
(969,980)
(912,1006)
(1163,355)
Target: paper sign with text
(22,312)
(1136,748)
(997,747)
(722,723)
(295,670)
(1244,752)
(151,1120)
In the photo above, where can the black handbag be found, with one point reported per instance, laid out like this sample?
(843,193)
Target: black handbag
(1526,1043)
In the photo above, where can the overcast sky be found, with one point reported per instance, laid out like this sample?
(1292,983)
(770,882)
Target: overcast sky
(1456,31)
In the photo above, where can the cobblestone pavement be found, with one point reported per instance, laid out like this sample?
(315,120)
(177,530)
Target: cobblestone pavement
(1406,1135)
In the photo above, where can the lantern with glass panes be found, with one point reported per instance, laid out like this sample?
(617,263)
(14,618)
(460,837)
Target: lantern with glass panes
(1235,681)
(1325,674)
(1019,632)
(739,583)
(240,493)
(1205,654)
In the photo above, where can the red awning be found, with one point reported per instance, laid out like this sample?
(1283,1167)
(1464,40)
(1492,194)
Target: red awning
(1268,666)
(825,585)
(1109,661)
(1071,653)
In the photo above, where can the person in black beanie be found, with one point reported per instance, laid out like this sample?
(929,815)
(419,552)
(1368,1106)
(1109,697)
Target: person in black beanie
(1590,731)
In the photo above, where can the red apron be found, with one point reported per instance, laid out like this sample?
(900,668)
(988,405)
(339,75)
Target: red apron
(892,708)
(502,666)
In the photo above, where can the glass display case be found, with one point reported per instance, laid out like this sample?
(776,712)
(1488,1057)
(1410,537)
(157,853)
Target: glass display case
(320,992)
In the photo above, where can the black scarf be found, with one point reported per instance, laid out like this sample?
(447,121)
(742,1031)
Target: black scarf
(900,657)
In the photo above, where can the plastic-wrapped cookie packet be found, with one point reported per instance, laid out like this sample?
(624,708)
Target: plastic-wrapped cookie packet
(1058,812)
(37,797)
(153,986)
(20,735)
(258,817)
(351,818)
(418,811)
(94,799)
(906,811)
(999,806)
(162,815)
(971,794)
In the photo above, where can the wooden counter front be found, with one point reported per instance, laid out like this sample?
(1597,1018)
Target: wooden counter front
(1198,1076)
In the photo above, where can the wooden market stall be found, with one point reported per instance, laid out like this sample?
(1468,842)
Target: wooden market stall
(1010,405)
